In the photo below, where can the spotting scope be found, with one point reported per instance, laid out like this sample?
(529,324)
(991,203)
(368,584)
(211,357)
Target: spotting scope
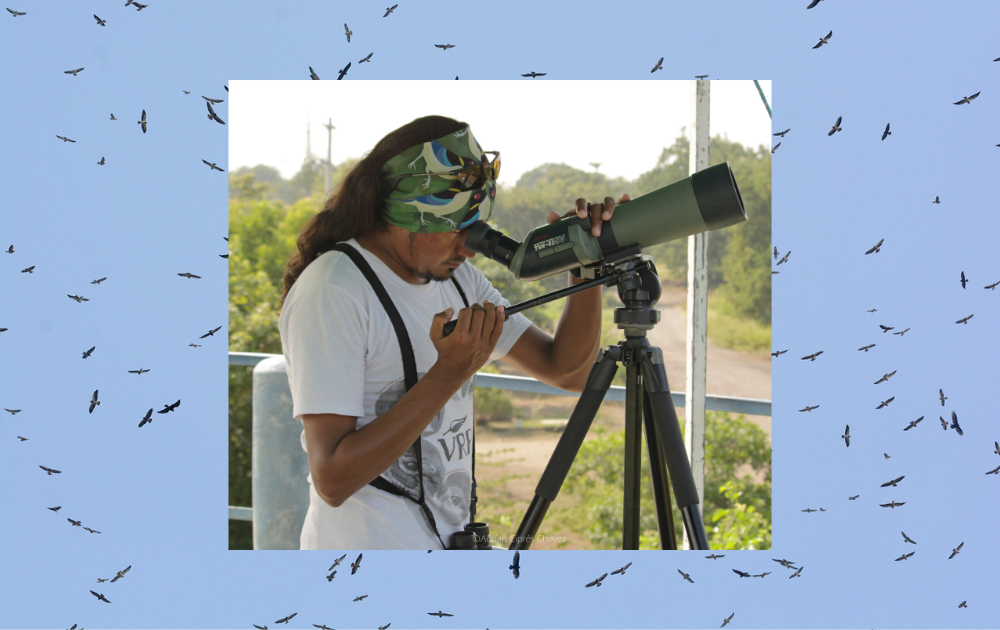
(707,200)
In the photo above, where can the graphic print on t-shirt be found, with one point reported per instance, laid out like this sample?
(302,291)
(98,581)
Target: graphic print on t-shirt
(446,448)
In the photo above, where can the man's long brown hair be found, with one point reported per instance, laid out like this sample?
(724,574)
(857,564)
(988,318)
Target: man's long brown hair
(355,209)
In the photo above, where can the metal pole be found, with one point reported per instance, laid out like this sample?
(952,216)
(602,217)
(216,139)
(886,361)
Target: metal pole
(697,306)
(279,465)
(329,147)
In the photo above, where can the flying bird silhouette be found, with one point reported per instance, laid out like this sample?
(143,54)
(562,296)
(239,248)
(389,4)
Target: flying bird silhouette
(78,298)
(892,504)
(212,115)
(885,377)
(75,523)
(139,371)
(214,167)
(812,357)
(913,423)
(597,582)
(988,286)
(876,249)
(336,563)
(440,614)
(50,471)
(73,72)
(348,32)
(534,74)
(685,576)
(778,353)
(967,99)
(330,577)
(389,10)
(936,200)
(94,402)
(853,497)
(169,408)
(836,126)
(56,508)
(905,556)
(89,352)
(30,269)
(92,531)
(781,134)
(142,121)
(954,423)
(784,258)
(286,619)
(444,46)
(886,329)
(188,274)
(147,418)
(907,538)
(893,482)
(726,621)
(808,408)
(15,13)
(658,66)
(715,556)
(954,552)
(866,348)
(902,332)
(360,597)
(121,574)
(343,72)
(813,3)
(964,281)
(885,403)
(100,596)
(516,567)
(742,574)
(99,280)
(367,58)
(356,564)
(775,147)
(621,571)
(964,320)
(113,117)
(64,138)
(847,435)
(312,74)
(798,573)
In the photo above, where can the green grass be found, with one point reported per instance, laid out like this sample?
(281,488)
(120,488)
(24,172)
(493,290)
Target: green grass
(737,333)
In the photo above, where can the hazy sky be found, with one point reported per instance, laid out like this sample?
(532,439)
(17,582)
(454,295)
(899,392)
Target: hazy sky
(622,125)
(158,494)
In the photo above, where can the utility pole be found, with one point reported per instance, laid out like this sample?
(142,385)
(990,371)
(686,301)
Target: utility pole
(329,148)
(697,305)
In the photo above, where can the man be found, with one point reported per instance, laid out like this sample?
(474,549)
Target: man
(406,208)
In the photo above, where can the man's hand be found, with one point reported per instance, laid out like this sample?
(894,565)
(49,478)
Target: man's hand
(462,353)
(598,212)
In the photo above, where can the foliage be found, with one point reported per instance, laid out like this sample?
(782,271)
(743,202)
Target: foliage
(737,508)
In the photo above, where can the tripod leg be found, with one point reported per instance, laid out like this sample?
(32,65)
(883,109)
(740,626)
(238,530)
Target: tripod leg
(633,456)
(660,480)
(669,432)
(552,479)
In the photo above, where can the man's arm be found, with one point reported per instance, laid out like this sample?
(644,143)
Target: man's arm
(343,460)
(565,360)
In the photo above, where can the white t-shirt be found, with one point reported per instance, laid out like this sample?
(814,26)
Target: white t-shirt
(331,325)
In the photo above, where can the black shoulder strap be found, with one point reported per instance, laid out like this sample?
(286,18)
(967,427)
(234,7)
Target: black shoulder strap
(406,349)
(410,379)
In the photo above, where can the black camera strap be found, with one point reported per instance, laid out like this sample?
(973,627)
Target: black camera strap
(410,379)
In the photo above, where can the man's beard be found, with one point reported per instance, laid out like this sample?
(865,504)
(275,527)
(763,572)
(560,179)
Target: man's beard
(431,277)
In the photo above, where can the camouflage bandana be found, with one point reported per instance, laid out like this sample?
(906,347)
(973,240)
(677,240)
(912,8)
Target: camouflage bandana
(434,203)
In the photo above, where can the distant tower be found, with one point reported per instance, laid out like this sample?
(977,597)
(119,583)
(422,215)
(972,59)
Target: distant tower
(310,158)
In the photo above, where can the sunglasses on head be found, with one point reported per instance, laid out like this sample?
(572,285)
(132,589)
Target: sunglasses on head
(468,177)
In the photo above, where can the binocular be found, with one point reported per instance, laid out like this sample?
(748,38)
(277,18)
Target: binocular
(474,536)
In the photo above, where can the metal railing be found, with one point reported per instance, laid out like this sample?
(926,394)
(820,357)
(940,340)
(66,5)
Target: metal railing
(267,400)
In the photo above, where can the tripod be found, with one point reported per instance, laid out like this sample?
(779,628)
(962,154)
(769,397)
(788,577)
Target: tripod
(647,404)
